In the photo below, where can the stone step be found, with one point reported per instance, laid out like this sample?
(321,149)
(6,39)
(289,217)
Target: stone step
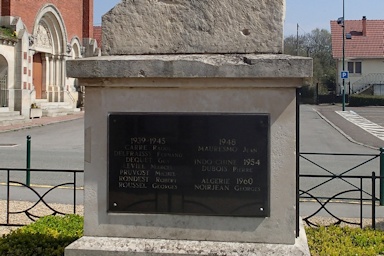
(54,105)
(12,117)
(38,101)
(59,112)
(9,114)
(52,109)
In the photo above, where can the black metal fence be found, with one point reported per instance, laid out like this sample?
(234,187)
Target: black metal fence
(354,181)
(338,197)
(16,188)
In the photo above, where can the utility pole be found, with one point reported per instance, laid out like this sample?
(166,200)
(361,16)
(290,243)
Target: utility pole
(343,56)
(297,40)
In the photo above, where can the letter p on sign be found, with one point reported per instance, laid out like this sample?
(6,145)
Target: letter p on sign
(344,74)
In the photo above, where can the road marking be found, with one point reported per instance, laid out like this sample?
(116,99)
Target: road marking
(8,145)
(371,127)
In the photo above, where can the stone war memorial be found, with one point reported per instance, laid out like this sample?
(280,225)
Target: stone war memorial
(190,131)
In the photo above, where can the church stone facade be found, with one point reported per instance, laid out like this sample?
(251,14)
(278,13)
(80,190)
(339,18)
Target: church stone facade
(37,38)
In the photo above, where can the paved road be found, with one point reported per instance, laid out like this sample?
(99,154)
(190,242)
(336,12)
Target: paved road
(318,136)
(355,133)
(57,146)
(57,143)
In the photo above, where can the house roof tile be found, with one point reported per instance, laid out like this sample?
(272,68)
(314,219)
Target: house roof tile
(370,45)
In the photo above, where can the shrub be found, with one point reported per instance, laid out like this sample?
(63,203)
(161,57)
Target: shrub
(365,100)
(335,240)
(47,236)
(7,33)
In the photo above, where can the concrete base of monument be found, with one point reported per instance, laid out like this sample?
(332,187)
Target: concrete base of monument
(108,246)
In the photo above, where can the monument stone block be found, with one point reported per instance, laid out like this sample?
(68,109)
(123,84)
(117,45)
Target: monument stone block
(192,26)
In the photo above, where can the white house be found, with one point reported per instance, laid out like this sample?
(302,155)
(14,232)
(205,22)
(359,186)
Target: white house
(363,54)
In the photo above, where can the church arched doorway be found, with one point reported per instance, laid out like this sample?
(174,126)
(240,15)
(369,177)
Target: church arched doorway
(3,82)
(38,75)
(50,48)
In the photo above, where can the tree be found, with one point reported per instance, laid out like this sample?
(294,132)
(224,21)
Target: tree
(318,45)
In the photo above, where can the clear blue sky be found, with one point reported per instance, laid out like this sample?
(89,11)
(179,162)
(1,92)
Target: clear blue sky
(309,14)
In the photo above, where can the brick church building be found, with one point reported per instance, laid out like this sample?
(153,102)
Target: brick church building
(36,39)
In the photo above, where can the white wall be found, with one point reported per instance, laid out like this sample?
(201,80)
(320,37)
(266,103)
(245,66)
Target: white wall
(369,66)
(379,89)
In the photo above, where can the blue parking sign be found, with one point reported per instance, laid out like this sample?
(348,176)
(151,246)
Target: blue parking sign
(344,74)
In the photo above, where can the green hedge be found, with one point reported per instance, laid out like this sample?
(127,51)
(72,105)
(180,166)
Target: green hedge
(365,100)
(50,235)
(335,240)
(47,236)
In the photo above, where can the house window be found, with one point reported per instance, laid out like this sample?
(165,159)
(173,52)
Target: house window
(350,67)
(354,67)
(358,67)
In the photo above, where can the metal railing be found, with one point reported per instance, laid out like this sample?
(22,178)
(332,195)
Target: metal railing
(341,173)
(70,96)
(339,197)
(16,190)
(367,81)
(357,183)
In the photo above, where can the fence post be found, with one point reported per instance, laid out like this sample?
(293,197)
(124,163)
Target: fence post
(381,176)
(373,214)
(28,180)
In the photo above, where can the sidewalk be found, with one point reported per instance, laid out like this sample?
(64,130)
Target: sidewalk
(36,122)
(351,131)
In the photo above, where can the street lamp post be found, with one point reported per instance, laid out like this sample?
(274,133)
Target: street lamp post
(343,57)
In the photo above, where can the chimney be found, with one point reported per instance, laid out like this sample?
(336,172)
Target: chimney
(364,26)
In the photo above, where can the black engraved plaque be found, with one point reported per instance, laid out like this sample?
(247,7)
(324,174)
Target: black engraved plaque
(195,164)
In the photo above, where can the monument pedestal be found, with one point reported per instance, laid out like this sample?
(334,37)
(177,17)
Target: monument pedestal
(106,246)
(199,84)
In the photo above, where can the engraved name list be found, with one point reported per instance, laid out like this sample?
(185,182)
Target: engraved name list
(211,164)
